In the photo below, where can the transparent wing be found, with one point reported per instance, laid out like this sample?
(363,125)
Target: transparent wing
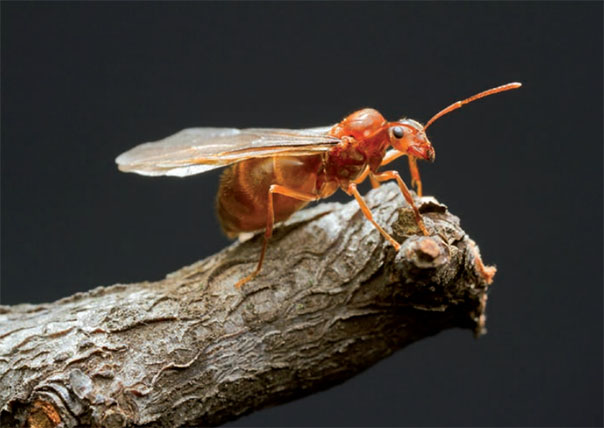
(196,150)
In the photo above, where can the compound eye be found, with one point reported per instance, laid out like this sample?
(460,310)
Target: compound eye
(397,131)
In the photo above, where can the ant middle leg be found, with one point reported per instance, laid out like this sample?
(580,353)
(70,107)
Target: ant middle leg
(367,173)
(352,189)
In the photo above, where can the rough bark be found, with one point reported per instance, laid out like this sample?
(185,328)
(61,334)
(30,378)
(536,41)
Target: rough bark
(332,299)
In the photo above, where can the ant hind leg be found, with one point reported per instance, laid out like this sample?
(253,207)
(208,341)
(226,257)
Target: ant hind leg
(270,222)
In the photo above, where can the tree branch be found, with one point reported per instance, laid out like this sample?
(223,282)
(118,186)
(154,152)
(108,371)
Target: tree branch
(332,299)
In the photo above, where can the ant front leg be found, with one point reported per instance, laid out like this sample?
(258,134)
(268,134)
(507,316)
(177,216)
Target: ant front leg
(270,221)
(390,156)
(393,175)
(416,181)
(352,190)
(415,178)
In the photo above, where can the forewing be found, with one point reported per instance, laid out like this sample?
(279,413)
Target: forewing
(196,150)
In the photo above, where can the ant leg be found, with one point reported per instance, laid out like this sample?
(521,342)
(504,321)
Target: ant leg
(393,175)
(374,183)
(352,189)
(270,221)
(390,156)
(367,172)
(363,176)
(416,181)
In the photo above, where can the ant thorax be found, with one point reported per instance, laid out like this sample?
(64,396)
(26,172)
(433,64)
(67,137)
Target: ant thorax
(364,143)
(345,162)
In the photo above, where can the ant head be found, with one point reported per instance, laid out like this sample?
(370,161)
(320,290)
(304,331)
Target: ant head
(409,136)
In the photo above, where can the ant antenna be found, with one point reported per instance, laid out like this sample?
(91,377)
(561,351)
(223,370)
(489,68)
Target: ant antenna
(458,104)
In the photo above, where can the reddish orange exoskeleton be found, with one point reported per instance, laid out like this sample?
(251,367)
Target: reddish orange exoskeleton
(275,172)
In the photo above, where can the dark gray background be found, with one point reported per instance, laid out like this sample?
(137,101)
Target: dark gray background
(82,82)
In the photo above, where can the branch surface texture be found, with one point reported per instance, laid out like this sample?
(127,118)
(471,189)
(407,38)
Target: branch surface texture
(332,299)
